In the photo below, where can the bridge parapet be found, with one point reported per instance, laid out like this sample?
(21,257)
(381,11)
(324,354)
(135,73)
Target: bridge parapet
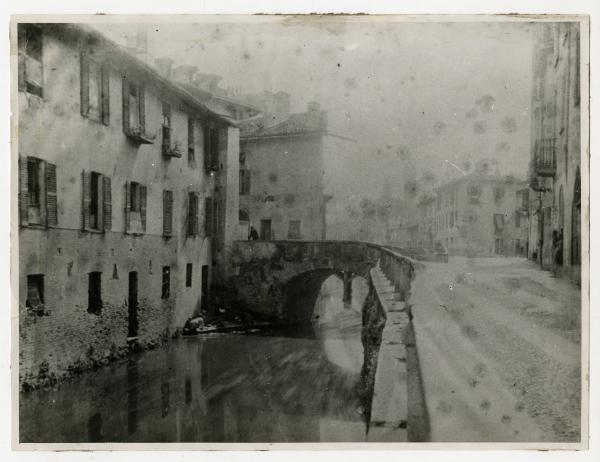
(283,278)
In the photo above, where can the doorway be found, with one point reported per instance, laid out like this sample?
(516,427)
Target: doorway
(265,230)
(204,289)
(133,304)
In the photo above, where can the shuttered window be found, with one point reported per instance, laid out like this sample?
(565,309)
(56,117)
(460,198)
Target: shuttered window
(191,141)
(208,216)
(31,71)
(211,148)
(38,199)
(96,202)
(95,92)
(244,182)
(134,120)
(167,212)
(192,213)
(135,207)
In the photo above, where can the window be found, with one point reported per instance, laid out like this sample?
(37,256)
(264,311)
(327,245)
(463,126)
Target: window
(166,282)
(188,275)
(208,216)
(134,116)
(244,182)
(167,213)
(192,214)
(95,292)
(517,219)
(498,222)
(30,59)
(95,93)
(35,294)
(191,141)
(38,204)
(166,127)
(474,191)
(97,201)
(498,195)
(135,207)
(294,229)
(211,148)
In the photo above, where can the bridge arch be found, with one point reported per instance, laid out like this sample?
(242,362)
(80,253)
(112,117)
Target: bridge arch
(283,278)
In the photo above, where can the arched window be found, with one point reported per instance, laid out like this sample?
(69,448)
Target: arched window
(243,216)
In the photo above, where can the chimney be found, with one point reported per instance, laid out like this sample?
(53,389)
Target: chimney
(164,66)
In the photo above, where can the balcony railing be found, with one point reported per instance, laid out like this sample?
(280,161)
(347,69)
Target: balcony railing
(544,161)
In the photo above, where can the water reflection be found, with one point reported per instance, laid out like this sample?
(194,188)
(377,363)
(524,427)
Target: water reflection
(256,388)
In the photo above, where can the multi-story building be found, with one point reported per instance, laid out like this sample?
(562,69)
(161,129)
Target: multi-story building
(281,177)
(554,170)
(472,215)
(128,198)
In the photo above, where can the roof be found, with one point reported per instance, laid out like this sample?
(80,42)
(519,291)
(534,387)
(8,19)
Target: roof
(216,102)
(120,53)
(312,122)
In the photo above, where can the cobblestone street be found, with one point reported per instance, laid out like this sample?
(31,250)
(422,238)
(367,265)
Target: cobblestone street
(524,326)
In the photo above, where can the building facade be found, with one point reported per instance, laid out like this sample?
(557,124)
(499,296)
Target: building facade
(126,186)
(473,215)
(281,177)
(554,171)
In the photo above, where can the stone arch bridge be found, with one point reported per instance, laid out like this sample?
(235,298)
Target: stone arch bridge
(283,278)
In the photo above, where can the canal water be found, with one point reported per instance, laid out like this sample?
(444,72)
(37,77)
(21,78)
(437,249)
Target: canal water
(297,385)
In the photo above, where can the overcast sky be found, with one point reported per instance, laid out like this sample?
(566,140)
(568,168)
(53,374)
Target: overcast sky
(437,92)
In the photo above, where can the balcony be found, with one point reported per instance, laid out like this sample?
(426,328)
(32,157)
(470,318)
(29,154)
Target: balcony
(544,160)
(139,136)
(169,150)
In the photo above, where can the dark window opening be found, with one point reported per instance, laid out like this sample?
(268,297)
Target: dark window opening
(33,181)
(166,282)
(191,141)
(192,214)
(188,275)
(35,293)
(166,125)
(135,108)
(95,293)
(94,204)
(135,199)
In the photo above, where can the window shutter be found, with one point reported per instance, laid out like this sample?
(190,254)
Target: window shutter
(195,213)
(87,198)
(127,206)
(106,203)
(51,197)
(214,147)
(23,191)
(208,216)
(126,108)
(206,144)
(143,191)
(105,76)
(85,84)
(142,108)
(167,212)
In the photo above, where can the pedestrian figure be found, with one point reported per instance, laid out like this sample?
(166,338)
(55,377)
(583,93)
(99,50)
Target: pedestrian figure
(253,236)
(557,246)
(556,251)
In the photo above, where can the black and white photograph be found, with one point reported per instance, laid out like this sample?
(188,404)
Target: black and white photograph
(275,229)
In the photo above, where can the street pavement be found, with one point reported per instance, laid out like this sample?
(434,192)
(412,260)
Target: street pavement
(499,347)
